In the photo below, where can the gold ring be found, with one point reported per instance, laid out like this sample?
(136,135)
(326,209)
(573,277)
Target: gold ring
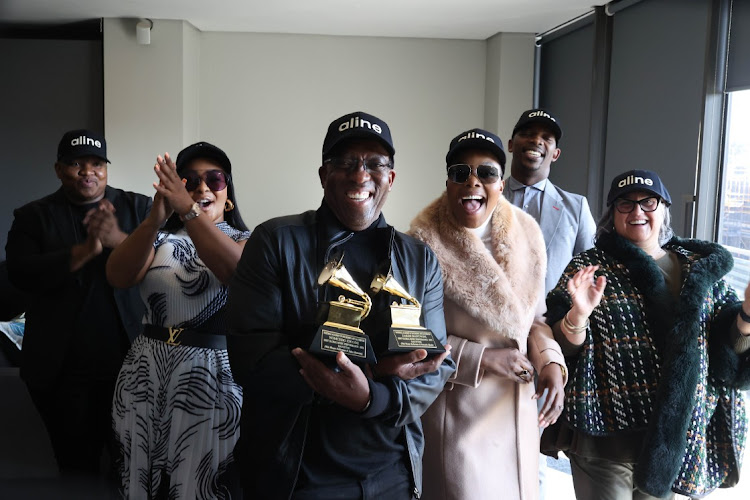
(523,373)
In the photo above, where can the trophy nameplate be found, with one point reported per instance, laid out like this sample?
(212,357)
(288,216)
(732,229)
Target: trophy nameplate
(406,333)
(340,331)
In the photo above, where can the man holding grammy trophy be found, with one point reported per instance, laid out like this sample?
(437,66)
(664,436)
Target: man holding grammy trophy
(309,295)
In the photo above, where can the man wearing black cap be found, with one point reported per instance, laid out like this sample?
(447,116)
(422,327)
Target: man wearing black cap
(565,218)
(327,428)
(77,327)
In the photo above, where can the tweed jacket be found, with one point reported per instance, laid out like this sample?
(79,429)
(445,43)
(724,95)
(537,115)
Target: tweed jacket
(665,368)
(481,434)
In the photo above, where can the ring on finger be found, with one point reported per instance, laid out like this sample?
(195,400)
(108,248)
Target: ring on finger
(523,373)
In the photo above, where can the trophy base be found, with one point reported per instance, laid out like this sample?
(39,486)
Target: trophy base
(410,339)
(329,340)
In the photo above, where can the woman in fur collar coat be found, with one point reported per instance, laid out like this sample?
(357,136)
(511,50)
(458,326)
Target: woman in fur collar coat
(658,345)
(482,433)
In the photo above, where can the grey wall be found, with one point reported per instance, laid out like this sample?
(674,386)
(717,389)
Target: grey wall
(267,99)
(47,88)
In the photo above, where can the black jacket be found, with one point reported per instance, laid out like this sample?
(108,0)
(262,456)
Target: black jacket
(38,256)
(273,299)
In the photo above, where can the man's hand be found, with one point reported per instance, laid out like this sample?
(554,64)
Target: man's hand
(508,362)
(348,387)
(550,378)
(409,365)
(101,223)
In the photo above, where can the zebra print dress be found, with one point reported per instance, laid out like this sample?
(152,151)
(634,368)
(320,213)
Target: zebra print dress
(176,409)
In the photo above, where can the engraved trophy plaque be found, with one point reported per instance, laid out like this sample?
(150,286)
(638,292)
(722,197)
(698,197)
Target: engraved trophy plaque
(341,332)
(406,333)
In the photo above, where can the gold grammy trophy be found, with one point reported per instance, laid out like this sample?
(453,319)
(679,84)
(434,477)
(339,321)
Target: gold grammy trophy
(341,331)
(406,333)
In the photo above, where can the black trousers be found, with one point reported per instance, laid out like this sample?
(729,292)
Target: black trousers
(77,414)
(393,484)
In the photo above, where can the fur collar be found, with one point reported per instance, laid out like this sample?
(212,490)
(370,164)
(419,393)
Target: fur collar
(501,290)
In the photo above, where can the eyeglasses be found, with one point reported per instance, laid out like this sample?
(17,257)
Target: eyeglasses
(460,172)
(625,206)
(373,166)
(216,180)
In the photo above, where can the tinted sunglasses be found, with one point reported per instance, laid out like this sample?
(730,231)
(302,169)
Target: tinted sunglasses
(459,173)
(216,180)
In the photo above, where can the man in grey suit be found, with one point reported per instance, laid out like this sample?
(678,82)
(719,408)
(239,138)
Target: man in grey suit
(565,218)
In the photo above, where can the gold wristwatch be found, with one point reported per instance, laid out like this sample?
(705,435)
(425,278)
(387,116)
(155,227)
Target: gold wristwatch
(194,212)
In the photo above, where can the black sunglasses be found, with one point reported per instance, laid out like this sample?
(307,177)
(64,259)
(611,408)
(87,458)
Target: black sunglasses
(625,206)
(460,172)
(216,180)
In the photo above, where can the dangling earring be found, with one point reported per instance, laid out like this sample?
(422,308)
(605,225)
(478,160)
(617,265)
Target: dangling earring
(228,206)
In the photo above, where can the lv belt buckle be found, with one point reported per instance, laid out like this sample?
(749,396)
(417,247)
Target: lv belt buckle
(174,333)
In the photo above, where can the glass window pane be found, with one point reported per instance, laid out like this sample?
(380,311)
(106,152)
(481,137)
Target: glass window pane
(734,223)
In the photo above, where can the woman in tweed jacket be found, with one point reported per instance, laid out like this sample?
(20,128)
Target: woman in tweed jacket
(657,350)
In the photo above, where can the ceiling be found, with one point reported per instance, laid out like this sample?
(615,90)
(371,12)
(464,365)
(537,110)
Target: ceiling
(458,19)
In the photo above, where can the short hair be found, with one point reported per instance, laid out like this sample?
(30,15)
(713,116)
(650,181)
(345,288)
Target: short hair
(606,224)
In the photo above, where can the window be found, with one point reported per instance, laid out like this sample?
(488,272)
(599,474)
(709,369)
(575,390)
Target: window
(734,220)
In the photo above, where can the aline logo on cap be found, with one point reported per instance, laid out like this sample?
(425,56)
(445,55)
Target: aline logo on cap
(541,113)
(85,141)
(356,122)
(634,179)
(474,135)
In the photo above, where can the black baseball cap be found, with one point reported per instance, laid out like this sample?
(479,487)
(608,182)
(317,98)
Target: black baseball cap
(81,142)
(538,116)
(357,125)
(203,150)
(477,138)
(638,180)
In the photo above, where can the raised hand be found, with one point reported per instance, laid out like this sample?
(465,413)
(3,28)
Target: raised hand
(585,293)
(171,186)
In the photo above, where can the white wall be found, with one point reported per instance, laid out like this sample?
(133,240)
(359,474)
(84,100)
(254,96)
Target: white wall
(509,89)
(143,100)
(267,99)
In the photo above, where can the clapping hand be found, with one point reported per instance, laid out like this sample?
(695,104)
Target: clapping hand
(101,224)
(171,186)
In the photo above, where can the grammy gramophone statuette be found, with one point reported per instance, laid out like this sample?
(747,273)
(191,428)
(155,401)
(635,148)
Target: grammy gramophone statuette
(406,334)
(341,332)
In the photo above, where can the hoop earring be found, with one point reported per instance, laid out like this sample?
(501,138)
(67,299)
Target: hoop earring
(228,206)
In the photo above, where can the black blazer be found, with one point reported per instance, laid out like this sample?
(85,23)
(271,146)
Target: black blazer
(38,257)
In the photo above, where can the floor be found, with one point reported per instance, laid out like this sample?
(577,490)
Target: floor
(560,484)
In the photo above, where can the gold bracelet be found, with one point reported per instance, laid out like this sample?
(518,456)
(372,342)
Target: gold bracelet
(574,329)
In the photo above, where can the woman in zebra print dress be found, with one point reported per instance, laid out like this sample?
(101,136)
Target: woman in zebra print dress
(176,407)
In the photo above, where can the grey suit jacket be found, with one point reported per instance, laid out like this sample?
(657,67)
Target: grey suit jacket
(568,228)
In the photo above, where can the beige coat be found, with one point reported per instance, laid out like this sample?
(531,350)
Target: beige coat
(481,434)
